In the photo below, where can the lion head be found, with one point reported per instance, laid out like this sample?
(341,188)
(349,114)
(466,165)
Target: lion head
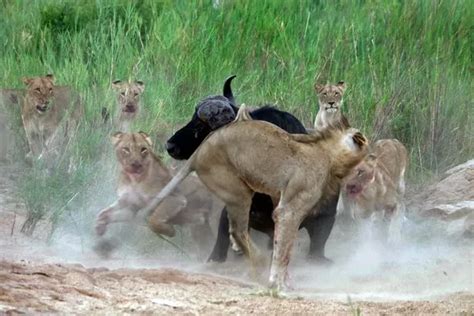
(128,97)
(39,93)
(134,152)
(330,96)
(361,176)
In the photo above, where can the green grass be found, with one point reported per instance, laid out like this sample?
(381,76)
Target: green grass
(406,63)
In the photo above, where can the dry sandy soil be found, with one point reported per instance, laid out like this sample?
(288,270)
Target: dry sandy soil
(39,277)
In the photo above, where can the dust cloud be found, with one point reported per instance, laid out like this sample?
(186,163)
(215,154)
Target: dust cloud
(425,266)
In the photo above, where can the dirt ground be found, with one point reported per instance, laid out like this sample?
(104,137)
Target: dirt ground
(37,277)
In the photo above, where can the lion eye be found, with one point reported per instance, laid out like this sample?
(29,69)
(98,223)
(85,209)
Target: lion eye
(135,94)
(144,150)
(38,90)
(122,94)
(126,150)
(336,93)
(360,172)
(325,94)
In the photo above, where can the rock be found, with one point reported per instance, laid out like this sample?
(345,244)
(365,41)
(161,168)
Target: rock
(467,165)
(449,211)
(449,201)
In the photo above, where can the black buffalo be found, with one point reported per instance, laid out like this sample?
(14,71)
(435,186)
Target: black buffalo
(216,111)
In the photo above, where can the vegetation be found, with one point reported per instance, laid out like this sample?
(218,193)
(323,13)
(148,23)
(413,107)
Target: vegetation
(408,66)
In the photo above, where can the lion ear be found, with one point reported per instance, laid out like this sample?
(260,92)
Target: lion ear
(140,85)
(341,85)
(116,84)
(371,157)
(147,138)
(50,77)
(116,137)
(318,87)
(27,80)
(359,139)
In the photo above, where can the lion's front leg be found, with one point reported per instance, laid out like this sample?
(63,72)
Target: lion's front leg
(117,212)
(35,144)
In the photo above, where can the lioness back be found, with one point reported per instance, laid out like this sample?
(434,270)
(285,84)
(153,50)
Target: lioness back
(392,156)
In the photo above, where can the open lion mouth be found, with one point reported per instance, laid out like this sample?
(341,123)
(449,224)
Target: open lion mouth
(135,170)
(41,109)
(129,109)
(331,109)
(353,189)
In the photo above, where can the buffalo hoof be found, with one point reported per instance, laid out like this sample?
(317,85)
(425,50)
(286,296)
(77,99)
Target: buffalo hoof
(105,247)
(320,260)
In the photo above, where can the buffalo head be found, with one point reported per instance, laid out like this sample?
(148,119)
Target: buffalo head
(210,114)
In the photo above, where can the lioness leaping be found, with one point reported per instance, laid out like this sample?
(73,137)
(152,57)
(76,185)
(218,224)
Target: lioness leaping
(375,188)
(296,170)
(142,176)
(330,98)
(50,115)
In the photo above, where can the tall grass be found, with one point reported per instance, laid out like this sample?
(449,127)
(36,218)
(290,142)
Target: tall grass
(408,64)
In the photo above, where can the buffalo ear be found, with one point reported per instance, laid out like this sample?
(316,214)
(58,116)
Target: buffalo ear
(318,87)
(146,137)
(116,137)
(341,85)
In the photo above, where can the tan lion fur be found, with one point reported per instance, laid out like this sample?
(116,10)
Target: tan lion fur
(142,176)
(297,171)
(129,107)
(375,188)
(330,98)
(50,115)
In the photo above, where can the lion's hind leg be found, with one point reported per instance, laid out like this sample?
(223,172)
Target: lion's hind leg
(237,197)
(159,220)
(288,216)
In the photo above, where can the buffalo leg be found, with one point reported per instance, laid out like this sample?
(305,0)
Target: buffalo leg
(219,252)
(319,228)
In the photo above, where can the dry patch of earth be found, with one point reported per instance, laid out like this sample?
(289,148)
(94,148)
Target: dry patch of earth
(65,288)
(37,278)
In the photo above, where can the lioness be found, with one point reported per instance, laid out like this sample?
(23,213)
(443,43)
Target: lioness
(330,103)
(50,115)
(295,170)
(142,176)
(128,102)
(375,188)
